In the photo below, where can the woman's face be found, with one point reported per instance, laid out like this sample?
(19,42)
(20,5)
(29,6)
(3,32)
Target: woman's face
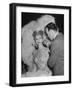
(39,39)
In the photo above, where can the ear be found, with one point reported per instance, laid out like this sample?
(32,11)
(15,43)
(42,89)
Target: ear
(46,30)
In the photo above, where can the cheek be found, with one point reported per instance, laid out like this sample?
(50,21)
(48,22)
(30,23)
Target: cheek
(40,39)
(37,41)
(49,35)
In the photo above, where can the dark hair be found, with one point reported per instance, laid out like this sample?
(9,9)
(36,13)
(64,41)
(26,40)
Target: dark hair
(41,33)
(51,26)
(35,33)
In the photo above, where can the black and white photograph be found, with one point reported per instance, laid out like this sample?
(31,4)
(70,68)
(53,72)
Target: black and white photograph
(43,34)
(41,44)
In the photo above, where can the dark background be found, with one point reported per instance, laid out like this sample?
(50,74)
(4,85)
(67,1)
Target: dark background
(27,17)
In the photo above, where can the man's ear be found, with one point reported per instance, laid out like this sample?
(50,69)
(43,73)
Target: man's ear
(46,30)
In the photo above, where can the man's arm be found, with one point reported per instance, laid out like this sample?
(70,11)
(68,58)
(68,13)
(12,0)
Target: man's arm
(52,59)
(57,51)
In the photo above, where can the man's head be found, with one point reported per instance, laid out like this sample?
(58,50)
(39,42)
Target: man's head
(51,30)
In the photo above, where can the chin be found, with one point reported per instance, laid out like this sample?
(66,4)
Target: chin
(51,38)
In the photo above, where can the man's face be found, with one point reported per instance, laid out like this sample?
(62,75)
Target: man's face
(50,33)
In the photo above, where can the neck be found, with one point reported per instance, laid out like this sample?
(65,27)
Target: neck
(40,45)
